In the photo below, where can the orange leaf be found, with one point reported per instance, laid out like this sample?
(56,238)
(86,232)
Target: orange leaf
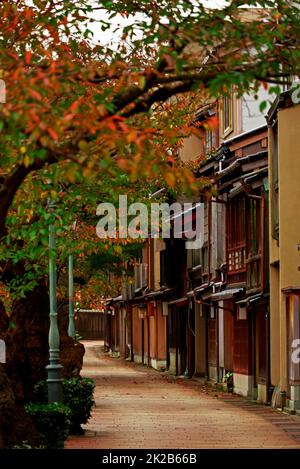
(35,94)
(170,179)
(74,105)
(123,127)
(111,126)
(28,55)
(171,159)
(213,122)
(122,163)
(52,134)
(131,137)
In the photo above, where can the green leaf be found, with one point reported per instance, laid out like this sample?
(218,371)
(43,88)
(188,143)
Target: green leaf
(263,105)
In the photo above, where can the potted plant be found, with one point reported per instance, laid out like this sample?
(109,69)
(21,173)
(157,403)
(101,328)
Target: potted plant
(228,379)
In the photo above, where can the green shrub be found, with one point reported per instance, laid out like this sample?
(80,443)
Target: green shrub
(52,422)
(77,395)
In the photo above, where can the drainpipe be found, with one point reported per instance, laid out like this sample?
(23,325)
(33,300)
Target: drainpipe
(143,339)
(262,242)
(177,340)
(268,355)
(206,343)
(253,349)
(148,342)
(209,240)
(155,332)
(125,320)
(131,334)
(216,312)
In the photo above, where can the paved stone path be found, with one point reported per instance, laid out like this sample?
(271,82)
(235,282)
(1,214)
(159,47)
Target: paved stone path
(137,407)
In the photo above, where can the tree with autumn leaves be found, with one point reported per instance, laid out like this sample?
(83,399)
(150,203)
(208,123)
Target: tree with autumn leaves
(85,121)
(78,110)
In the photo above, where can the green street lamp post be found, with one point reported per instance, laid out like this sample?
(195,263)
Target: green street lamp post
(54,368)
(71,327)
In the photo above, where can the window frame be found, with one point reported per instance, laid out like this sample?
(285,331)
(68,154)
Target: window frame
(228,98)
(211,140)
(236,235)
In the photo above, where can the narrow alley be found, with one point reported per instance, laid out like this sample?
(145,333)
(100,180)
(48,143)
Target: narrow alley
(137,407)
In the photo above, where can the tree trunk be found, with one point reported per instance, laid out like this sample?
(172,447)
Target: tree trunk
(26,336)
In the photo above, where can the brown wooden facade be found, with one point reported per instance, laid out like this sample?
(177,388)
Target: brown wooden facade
(205,312)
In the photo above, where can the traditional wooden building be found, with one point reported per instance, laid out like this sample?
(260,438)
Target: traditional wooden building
(136,320)
(234,294)
(228,275)
(205,312)
(284,225)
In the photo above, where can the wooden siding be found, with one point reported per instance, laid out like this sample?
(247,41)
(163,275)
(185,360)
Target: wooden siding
(90,325)
(241,347)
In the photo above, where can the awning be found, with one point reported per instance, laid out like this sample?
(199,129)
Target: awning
(117,298)
(292,290)
(203,290)
(204,287)
(228,170)
(158,293)
(196,268)
(137,299)
(249,300)
(237,189)
(255,174)
(182,300)
(226,294)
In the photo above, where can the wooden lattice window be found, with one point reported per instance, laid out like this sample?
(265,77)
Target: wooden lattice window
(236,235)
(227,113)
(254,244)
(211,140)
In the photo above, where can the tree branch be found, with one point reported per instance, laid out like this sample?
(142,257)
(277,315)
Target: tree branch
(11,184)
(159,95)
